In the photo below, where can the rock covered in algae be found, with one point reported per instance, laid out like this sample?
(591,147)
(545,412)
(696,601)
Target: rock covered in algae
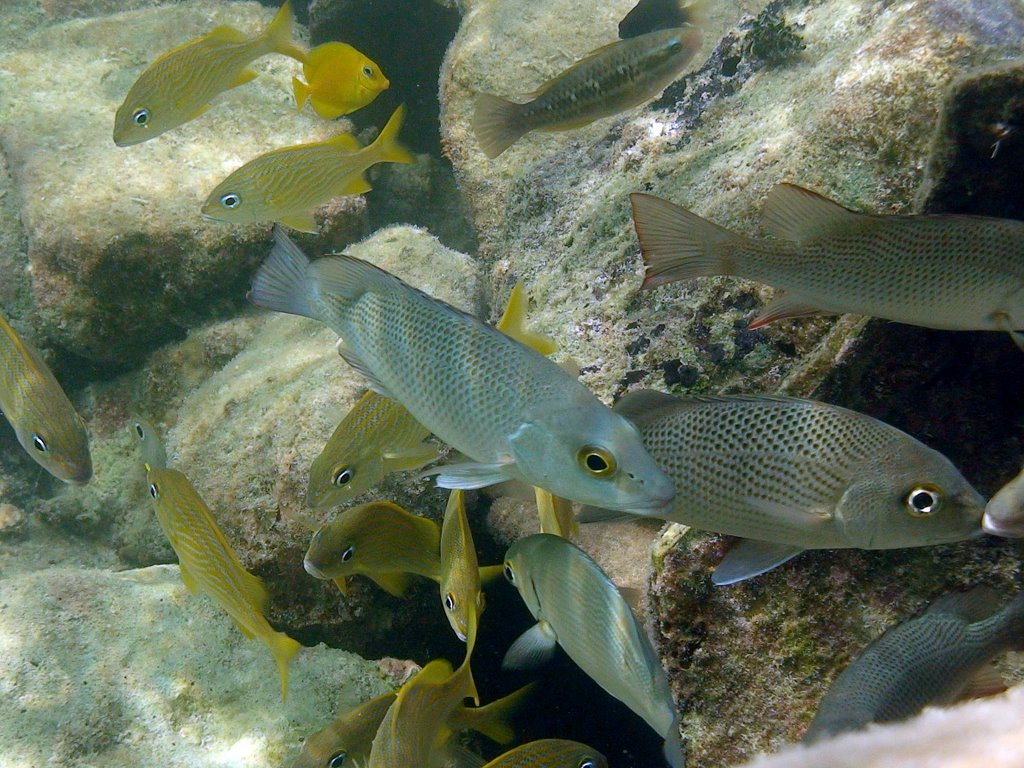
(128,669)
(120,257)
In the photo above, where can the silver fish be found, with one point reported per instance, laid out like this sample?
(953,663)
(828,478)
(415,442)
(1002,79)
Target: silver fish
(930,660)
(793,474)
(516,414)
(609,80)
(579,608)
(1004,513)
(937,271)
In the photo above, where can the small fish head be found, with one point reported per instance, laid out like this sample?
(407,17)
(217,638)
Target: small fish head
(236,202)
(332,551)
(517,568)
(593,456)
(144,114)
(60,447)
(370,80)
(911,496)
(338,478)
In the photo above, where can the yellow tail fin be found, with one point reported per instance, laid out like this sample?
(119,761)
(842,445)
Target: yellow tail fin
(278,36)
(387,146)
(284,649)
(301,91)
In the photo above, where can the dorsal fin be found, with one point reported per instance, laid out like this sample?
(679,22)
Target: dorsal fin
(643,401)
(798,214)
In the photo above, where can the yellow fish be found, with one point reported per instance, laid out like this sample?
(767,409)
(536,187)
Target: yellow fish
(550,753)
(556,515)
(285,185)
(377,437)
(44,420)
(339,80)
(346,741)
(208,563)
(180,85)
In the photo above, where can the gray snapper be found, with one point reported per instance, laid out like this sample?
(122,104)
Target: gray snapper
(934,659)
(579,608)
(609,80)
(938,271)
(513,412)
(793,474)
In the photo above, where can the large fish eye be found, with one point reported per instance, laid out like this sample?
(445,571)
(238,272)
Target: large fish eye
(230,200)
(139,431)
(140,116)
(154,491)
(342,476)
(449,602)
(509,573)
(586,762)
(347,554)
(923,501)
(39,443)
(596,460)
(367,71)
(337,759)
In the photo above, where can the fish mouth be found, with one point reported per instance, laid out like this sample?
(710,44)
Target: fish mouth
(996,528)
(313,571)
(208,217)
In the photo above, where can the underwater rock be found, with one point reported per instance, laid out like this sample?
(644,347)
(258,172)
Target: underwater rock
(12,521)
(121,259)
(127,669)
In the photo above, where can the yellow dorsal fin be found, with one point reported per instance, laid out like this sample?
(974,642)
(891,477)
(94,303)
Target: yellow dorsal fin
(226,34)
(346,141)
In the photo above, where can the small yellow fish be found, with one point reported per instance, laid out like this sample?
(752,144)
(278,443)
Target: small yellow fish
(550,753)
(207,562)
(556,515)
(287,184)
(346,742)
(377,437)
(339,80)
(44,420)
(461,596)
(180,85)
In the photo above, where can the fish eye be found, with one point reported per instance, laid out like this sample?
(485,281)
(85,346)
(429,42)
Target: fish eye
(337,759)
(586,762)
(140,116)
(230,200)
(343,476)
(368,71)
(509,573)
(923,501)
(39,443)
(139,431)
(449,602)
(154,491)
(347,554)
(675,45)
(596,460)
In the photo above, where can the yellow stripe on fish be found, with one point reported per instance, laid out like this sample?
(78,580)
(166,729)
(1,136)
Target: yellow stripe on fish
(339,80)
(287,184)
(180,85)
(550,753)
(42,416)
(513,412)
(207,562)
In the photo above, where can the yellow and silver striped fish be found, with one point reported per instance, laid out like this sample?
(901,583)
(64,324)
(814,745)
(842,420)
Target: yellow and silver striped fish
(208,563)
(180,85)
(461,596)
(287,184)
(45,421)
(550,753)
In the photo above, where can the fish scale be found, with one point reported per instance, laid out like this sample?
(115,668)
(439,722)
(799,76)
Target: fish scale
(781,470)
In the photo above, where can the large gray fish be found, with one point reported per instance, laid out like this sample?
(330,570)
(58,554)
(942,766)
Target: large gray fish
(933,659)
(44,420)
(513,412)
(795,474)
(937,271)
(579,608)
(1004,513)
(609,80)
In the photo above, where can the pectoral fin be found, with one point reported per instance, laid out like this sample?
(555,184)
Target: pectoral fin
(342,582)
(356,362)
(303,222)
(186,576)
(533,648)
(393,583)
(749,558)
(245,76)
(413,457)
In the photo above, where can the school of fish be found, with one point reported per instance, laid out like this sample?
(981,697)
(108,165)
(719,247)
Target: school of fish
(783,474)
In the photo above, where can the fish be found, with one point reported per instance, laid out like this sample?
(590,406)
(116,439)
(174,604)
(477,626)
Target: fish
(550,753)
(607,81)
(346,742)
(652,15)
(788,474)
(339,80)
(1004,513)
(45,422)
(379,540)
(285,185)
(555,515)
(377,437)
(206,560)
(934,659)
(579,608)
(179,86)
(429,710)
(950,272)
(515,414)
(150,445)
(461,597)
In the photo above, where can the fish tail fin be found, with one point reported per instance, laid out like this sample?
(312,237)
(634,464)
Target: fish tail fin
(281,283)
(283,649)
(278,36)
(496,123)
(301,91)
(673,749)
(493,720)
(387,146)
(680,245)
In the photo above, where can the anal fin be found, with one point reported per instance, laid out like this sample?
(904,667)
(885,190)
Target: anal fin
(783,307)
